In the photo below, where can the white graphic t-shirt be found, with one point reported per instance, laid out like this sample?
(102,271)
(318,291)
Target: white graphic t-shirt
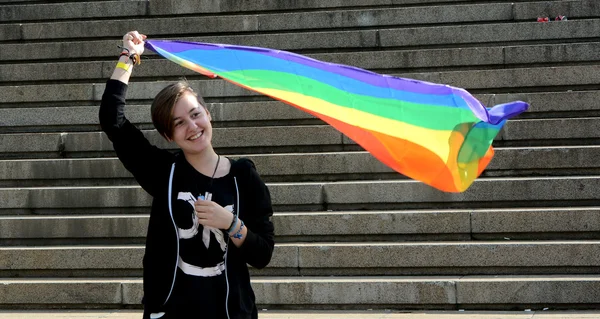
(200,279)
(197,231)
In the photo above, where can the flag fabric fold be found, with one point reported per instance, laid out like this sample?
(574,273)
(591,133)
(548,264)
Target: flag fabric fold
(434,133)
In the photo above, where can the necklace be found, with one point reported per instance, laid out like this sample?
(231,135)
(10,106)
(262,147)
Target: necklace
(216,166)
(208,195)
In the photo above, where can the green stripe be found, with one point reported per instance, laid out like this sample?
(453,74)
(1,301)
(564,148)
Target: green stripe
(434,117)
(476,144)
(477,141)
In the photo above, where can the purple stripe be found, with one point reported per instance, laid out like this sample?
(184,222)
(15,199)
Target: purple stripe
(494,116)
(365,76)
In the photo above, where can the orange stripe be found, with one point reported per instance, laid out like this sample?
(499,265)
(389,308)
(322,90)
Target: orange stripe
(485,160)
(407,158)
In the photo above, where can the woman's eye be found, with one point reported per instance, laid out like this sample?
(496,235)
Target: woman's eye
(195,115)
(178,123)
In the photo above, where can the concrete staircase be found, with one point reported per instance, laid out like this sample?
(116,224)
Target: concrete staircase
(351,234)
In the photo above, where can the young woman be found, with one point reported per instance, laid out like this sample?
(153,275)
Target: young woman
(210,215)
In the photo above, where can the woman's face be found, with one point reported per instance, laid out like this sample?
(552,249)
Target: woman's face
(192,130)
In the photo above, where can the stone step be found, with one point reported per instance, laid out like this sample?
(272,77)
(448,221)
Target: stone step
(73,10)
(281,139)
(85,118)
(548,78)
(404,60)
(476,34)
(320,314)
(246,139)
(351,195)
(429,14)
(268,113)
(489,192)
(330,259)
(190,6)
(560,160)
(4,2)
(114,9)
(388,292)
(430,225)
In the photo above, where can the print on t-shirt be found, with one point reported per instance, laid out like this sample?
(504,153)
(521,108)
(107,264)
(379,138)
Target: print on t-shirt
(187,234)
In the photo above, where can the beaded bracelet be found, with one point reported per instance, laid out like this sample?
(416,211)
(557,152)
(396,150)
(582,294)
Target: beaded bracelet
(238,234)
(132,55)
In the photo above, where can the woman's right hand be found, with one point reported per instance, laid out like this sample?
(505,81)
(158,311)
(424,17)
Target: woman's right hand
(134,42)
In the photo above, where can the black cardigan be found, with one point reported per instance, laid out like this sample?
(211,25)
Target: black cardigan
(151,167)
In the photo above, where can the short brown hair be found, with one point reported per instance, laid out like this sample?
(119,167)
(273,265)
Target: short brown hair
(162,106)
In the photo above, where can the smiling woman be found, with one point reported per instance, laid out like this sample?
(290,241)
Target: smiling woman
(164,102)
(192,130)
(210,215)
(180,115)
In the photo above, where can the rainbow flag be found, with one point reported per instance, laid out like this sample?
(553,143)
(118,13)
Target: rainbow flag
(437,134)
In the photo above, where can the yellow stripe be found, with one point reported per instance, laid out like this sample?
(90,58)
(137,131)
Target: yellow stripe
(436,141)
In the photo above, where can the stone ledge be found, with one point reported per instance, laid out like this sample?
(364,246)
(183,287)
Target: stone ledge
(269,111)
(79,10)
(472,79)
(489,223)
(277,166)
(497,292)
(492,191)
(488,33)
(328,257)
(336,195)
(403,60)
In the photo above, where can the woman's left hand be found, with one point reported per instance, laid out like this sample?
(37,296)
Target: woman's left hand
(212,214)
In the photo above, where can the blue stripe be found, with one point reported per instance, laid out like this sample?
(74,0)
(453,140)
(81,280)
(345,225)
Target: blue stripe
(232,61)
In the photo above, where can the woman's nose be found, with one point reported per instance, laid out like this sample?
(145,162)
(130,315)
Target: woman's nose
(192,125)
